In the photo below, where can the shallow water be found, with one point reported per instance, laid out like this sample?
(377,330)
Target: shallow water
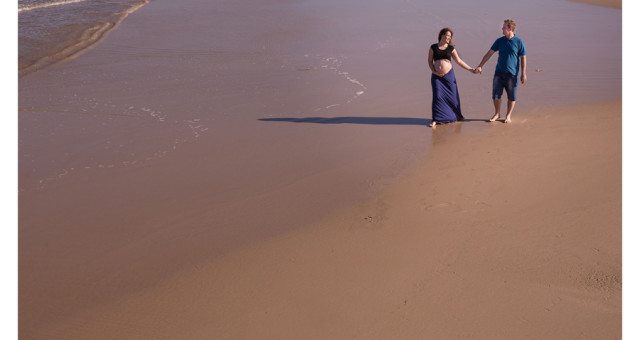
(167,88)
(50,31)
(225,69)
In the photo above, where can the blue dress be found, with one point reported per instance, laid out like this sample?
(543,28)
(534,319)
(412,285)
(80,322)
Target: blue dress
(445,106)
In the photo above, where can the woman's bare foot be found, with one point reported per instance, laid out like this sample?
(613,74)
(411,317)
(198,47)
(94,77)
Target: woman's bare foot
(508,119)
(495,117)
(433,124)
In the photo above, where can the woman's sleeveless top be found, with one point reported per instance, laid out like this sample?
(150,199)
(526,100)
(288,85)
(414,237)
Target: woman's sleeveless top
(442,54)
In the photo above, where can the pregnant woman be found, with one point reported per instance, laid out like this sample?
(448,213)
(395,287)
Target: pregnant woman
(445,107)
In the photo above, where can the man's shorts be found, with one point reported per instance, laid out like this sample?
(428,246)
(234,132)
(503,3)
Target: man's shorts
(507,82)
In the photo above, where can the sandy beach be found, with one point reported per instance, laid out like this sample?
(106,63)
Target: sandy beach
(507,240)
(264,170)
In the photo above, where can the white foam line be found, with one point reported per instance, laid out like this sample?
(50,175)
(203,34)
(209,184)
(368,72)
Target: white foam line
(355,81)
(51,4)
(327,107)
(157,116)
(196,129)
(334,64)
(336,67)
(194,125)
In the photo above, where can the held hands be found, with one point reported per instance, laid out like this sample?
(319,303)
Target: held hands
(477,70)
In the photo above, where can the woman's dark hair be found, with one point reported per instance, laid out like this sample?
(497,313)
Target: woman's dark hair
(443,32)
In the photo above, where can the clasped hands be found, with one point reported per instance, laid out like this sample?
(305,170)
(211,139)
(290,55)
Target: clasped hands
(476,70)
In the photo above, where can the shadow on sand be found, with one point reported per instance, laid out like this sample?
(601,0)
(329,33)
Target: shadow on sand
(360,120)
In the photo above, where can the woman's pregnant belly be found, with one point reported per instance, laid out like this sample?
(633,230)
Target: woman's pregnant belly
(442,66)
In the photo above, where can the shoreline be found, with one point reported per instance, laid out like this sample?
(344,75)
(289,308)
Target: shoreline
(478,240)
(90,38)
(605,3)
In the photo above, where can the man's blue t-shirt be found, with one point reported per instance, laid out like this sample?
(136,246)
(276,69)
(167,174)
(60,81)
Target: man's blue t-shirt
(509,52)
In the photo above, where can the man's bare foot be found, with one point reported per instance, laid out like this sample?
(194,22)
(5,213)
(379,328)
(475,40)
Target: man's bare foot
(433,124)
(495,117)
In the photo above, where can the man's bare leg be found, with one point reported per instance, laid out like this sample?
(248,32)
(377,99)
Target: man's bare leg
(510,105)
(496,104)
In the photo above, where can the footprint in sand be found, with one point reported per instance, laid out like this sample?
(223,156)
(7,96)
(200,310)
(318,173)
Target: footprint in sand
(437,206)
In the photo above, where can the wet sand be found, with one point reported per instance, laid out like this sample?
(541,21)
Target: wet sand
(217,185)
(514,237)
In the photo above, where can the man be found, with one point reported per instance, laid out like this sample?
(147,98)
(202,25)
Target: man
(511,57)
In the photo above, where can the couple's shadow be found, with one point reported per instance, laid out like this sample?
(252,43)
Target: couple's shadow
(362,120)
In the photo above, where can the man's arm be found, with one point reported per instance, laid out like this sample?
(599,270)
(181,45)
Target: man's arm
(486,58)
(523,63)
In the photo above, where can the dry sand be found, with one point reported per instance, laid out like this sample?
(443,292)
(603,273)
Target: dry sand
(509,234)
(608,3)
(213,216)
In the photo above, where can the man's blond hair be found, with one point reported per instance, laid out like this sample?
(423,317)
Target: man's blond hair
(511,23)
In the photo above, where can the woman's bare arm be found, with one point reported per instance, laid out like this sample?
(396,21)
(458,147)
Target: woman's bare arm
(460,62)
(433,69)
